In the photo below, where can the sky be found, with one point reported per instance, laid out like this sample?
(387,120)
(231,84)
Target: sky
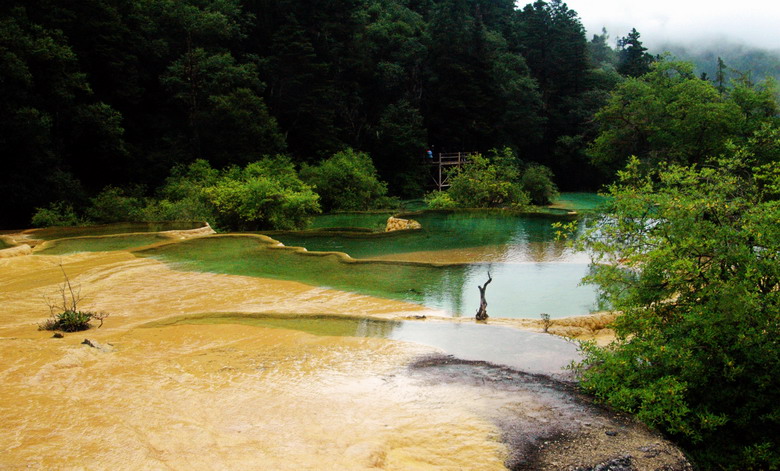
(752,22)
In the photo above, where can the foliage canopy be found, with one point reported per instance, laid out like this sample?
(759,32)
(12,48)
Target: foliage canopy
(488,182)
(691,256)
(670,115)
(346,181)
(116,93)
(266,194)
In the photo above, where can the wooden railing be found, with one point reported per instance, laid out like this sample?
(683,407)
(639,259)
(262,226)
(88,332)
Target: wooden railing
(440,175)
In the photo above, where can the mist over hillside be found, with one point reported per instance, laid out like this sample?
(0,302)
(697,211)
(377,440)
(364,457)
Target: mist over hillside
(740,59)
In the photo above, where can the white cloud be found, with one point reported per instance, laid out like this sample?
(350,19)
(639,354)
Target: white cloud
(755,22)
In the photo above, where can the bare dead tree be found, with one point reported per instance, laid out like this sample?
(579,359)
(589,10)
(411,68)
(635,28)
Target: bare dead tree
(66,289)
(482,311)
(75,297)
(101,316)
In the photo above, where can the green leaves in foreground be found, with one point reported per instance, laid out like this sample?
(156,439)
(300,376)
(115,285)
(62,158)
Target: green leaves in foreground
(690,256)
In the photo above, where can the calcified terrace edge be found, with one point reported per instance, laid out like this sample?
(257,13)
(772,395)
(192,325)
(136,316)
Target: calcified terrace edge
(591,327)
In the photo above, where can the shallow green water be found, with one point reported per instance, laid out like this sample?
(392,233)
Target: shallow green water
(527,351)
(330,325)
(100,244)
(517,290)
(52,233)
(582,202)
(4,245)
(504,237)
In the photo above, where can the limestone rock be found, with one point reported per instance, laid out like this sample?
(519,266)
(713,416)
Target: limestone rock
(398,224)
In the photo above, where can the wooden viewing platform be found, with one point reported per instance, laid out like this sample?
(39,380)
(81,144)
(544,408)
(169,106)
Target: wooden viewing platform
(441,175)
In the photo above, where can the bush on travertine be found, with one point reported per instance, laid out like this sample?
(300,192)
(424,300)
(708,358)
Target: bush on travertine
(347,181)
(58,213)
(65,315)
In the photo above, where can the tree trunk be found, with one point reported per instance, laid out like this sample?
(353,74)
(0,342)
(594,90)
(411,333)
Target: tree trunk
(482,311)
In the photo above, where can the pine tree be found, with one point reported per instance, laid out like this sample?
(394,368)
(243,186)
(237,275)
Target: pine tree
(633,58)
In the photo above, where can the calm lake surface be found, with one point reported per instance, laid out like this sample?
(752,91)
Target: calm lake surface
(439,266)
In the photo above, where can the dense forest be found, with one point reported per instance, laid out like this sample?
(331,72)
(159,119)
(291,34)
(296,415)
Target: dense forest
(117,93)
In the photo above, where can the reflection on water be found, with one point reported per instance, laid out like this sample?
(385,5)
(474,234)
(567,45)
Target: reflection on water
(525,351)
(518,290)
(579,201)
(439,266)
(496,235)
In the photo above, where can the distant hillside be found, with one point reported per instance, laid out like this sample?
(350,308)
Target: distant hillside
(760,63)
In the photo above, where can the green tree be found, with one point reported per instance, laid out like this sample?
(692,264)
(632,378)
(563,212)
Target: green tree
(720,76)
(390,124)
(490,181)
(58,213)
(50,121)
(267,194)
(689,256)
(312,69)
(668,114)
(551,38)
(633,58)
(181,197)
(237,128)
(459,102)
(599,52)
(400,134)
(346,181)
(537,181)
(228,120)
(480,92)
(114,204)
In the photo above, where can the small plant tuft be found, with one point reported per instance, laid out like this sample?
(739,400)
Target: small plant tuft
(65,315)
(546,322)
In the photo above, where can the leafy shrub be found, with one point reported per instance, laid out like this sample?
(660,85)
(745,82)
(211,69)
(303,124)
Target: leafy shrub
(188,181)
(264,195)
(440,200)
(58,213)
(65,315)
(182,197)
(546,322)
(347,181)
(68,321)
(115,205)
(691,258)
(536,180)
(190,208)
(488,182)
(267,194)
